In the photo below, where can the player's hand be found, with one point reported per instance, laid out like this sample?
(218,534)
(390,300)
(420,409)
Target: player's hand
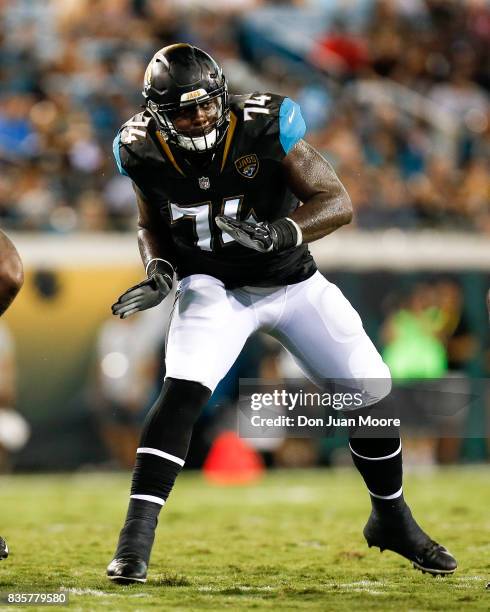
(144,295)
(264,236)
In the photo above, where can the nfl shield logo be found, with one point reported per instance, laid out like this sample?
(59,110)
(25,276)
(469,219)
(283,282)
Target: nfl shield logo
(204,182)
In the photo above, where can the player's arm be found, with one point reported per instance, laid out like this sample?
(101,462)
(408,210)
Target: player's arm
(156,250)
(154,238)
(326,203)
(326,206)
(11,273)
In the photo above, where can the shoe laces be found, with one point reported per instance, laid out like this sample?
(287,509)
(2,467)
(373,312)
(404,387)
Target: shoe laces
(431,548)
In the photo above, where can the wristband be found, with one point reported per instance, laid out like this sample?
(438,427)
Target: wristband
(159,266)
(286,234)
(299,239)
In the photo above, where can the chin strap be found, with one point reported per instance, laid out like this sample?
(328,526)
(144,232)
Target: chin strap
(190,143)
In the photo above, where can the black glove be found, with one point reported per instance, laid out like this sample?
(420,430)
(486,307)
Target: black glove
(264,236)
(148,293)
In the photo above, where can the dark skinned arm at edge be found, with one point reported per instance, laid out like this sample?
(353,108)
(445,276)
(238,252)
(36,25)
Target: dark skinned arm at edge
(326,203)
(11,272)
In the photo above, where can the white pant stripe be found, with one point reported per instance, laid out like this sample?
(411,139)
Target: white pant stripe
(394,496)
(399,450)
(159,453)
(150,498)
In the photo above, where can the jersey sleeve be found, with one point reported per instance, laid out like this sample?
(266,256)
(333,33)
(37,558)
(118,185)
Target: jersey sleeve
(276,122)
(116,149)
(292,126)
(131,146)
(128,161)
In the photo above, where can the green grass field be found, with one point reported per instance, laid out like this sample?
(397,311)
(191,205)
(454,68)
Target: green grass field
(292,542)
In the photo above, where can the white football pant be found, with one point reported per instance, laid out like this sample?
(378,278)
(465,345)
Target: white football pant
(312,320)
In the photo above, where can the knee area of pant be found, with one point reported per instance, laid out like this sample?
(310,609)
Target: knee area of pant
(376,389)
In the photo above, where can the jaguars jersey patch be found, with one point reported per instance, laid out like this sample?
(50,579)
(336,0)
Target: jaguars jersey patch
(248,165)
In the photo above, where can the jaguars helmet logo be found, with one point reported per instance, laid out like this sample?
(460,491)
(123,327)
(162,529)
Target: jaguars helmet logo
(248,165)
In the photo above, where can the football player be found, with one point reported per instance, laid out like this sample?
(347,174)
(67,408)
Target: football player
(219,180)
(11,279)
(11,273)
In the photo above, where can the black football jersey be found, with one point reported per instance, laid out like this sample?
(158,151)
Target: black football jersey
(243,179)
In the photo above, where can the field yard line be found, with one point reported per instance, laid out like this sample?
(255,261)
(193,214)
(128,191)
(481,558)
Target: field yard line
(363,583)
(94,592)
(370,591)
(211,589)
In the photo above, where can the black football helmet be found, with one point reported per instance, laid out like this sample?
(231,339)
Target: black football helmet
(181,76)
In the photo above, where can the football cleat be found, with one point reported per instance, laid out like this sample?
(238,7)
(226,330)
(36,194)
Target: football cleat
(406,538)
(127,570)
(4,549)
(130,563)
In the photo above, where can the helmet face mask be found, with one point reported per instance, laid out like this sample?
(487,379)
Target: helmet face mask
(179,127)
(187,95)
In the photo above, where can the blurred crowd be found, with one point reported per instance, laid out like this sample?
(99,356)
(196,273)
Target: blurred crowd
(413,150)
(422,162)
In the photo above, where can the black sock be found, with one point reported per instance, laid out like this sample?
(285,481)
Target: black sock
(379,461)
(160,457)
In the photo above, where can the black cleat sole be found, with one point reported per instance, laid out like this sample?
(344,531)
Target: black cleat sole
(126,580)
(424,570)
(433,572)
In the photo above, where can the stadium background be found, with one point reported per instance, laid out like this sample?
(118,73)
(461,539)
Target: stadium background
(394,94)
